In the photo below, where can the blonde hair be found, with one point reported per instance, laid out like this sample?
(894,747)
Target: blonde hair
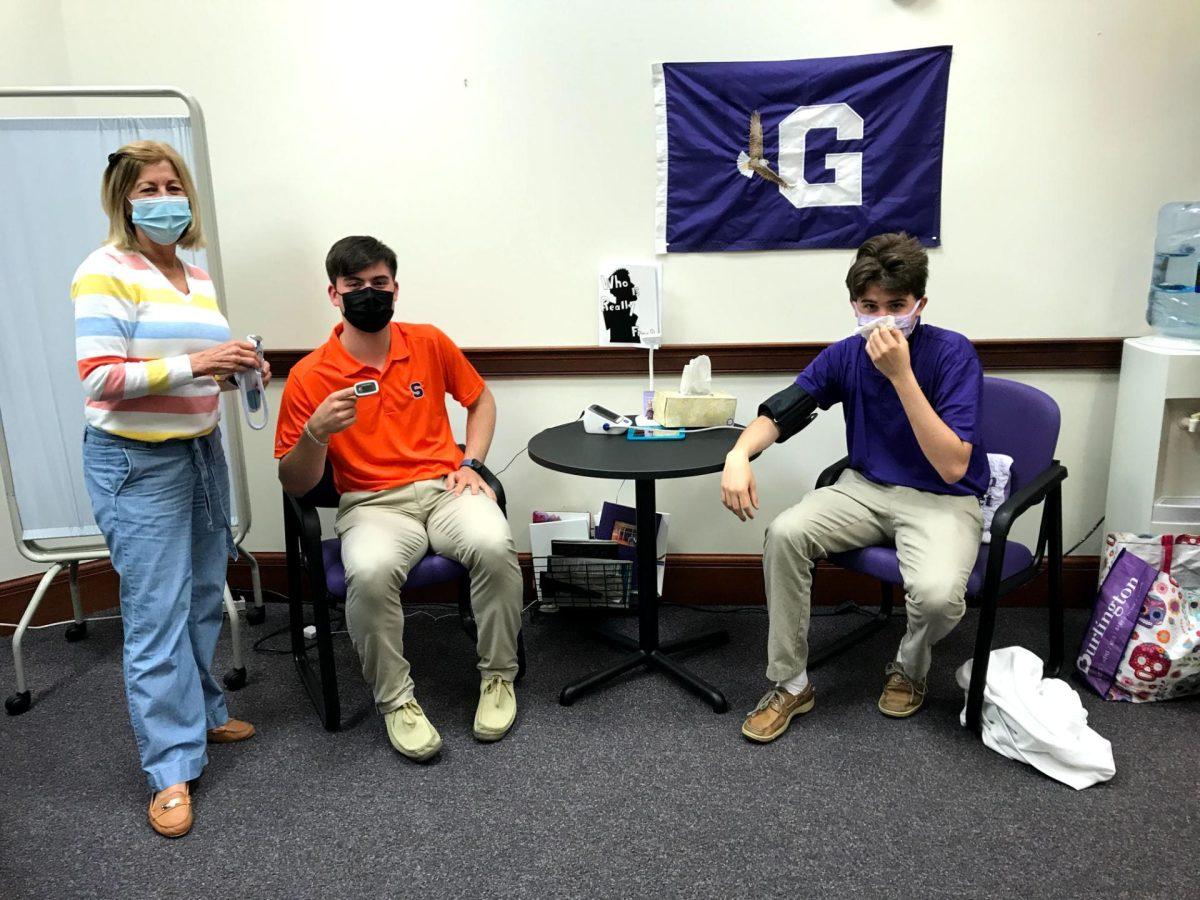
(124,168)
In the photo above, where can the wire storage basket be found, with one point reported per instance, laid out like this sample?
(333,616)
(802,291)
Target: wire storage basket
(570,582)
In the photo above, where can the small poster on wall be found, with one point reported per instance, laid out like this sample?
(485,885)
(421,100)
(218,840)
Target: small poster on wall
(630,304)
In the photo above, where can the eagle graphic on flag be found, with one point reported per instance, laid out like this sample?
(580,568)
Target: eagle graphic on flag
(838,150)
(752,163)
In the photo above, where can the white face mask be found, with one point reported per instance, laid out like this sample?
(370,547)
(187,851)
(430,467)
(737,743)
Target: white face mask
(903,324)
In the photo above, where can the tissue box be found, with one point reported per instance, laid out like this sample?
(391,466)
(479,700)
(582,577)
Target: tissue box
(675,410)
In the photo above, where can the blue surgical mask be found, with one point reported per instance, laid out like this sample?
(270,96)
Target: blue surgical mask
(163,219)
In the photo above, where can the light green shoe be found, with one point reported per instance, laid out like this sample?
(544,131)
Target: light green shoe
(411,733)
(497,708)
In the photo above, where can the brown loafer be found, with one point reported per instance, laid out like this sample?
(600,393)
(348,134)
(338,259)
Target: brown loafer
(231,732)
(775,712)
(902,696)
(170,812)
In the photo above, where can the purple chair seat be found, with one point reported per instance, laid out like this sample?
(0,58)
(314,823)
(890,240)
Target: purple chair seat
(881,563)
(432,569)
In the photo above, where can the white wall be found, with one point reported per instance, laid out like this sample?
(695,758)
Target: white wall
(503,149)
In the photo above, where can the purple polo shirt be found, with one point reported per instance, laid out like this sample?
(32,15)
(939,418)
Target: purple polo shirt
(879,437)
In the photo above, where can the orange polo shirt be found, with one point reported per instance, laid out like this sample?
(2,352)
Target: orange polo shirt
(402,434)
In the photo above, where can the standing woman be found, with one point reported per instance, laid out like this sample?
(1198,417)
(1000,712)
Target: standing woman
(154,353)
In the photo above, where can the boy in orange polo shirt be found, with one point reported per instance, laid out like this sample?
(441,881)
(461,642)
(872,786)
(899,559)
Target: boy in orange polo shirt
(406,487)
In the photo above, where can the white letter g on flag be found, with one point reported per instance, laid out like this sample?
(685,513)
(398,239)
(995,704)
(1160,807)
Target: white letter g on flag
(846,187)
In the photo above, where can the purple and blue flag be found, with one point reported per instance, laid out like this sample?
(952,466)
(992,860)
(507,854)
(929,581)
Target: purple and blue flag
(800,154)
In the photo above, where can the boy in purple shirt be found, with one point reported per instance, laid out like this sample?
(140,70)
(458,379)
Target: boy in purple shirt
(911,395)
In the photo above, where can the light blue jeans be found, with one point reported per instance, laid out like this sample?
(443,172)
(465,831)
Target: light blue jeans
(163,509)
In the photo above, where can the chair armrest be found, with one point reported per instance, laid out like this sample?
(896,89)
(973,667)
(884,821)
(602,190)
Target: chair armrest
(308,529)
(831,475)
(1030,495)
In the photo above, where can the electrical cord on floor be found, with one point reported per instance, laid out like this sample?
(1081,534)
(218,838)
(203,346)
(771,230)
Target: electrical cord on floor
(340,620)
(258,647)
(1085,537)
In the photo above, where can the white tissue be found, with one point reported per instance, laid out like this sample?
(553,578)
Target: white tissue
(881,322)
(697,377)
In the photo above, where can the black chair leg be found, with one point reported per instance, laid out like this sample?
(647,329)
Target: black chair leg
(878,621)
(321,688)
(1054,658)
(331,705)
(979,667)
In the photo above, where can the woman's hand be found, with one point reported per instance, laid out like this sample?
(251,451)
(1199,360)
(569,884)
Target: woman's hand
(224,359)
(265,371)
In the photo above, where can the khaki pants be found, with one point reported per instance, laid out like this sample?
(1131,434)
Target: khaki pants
(937,541)
(384,534)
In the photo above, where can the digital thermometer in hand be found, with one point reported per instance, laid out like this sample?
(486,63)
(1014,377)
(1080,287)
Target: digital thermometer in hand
(254,395)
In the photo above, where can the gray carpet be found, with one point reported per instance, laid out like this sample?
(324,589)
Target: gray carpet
(637,791)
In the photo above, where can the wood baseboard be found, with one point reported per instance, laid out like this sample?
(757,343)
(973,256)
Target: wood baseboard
(701,579)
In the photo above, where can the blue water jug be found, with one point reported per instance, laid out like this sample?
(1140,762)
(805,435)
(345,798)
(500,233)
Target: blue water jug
(1174,305)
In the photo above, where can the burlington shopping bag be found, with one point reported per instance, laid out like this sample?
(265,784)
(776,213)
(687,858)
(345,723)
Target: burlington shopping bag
(1114,616)
(1161,659)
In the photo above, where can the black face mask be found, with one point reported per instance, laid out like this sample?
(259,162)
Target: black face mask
(368,309)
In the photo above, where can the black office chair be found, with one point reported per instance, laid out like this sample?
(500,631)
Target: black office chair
(315,572)
(1021,422)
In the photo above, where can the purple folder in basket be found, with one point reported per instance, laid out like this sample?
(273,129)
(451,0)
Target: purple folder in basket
(1113,619)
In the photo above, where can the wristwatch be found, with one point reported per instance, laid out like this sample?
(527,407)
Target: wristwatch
(470,463)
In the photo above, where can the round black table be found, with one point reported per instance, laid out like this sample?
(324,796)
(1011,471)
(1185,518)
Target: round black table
(568,448)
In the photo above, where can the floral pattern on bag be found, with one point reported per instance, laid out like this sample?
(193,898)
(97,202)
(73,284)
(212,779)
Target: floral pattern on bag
(1162,661)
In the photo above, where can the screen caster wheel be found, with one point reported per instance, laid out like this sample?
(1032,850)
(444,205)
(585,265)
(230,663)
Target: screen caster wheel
(17,703)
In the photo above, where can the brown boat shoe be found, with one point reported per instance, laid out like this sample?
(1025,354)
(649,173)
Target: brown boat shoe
(902,696)
(775,712)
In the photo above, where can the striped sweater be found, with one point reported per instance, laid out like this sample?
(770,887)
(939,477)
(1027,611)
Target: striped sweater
(133,332)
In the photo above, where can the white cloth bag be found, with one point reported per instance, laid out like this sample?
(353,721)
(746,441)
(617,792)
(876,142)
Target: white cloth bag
(1039,721)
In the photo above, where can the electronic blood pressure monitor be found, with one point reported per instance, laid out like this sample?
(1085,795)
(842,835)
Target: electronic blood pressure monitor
(598,420)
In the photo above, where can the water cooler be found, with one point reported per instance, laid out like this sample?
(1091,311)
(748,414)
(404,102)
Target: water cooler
(1154,477)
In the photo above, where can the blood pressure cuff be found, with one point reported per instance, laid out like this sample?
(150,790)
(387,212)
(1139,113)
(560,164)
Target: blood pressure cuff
(791,410)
